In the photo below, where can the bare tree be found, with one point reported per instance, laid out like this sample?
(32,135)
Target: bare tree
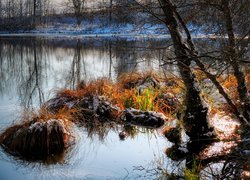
(233,58)
(227,16)
(110,10)
(1,10)
(195,117)
(35,4)
(78,7)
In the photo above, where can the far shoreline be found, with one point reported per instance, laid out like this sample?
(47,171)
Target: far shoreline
(110,35)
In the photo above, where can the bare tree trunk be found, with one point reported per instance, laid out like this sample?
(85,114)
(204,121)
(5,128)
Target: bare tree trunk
(233,59)
(79,6)
(21,9)
(195,118)
(34,11)
(110,10)
(1,15)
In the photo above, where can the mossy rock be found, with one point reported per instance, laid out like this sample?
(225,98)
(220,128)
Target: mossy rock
(147,119)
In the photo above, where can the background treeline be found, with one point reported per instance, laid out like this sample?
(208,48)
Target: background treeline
(28,14)
(23,14)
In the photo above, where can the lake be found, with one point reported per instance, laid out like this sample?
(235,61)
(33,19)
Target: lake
(32,69)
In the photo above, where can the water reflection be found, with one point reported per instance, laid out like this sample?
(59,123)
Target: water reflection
(33,66)
(78,65)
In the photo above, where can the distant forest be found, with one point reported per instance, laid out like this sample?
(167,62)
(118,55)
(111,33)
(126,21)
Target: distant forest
(29,14)
(16,15)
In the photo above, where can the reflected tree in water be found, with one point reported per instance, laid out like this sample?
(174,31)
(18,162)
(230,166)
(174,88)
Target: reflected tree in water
(77,67)
(126,58)
(33,83)
(22,66)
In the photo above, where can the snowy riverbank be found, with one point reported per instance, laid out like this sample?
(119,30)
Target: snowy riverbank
(66,26)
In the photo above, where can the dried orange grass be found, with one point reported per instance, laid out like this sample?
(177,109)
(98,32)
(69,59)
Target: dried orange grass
(97,87)
(138,76)
(44,115)
(117,94)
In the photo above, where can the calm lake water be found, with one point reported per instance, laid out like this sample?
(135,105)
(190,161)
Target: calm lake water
(33,68)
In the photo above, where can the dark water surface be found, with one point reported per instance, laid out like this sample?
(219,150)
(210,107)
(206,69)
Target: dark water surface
(32,69)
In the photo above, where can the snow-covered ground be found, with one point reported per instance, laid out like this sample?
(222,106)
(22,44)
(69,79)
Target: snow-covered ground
(100,27)
(68,26)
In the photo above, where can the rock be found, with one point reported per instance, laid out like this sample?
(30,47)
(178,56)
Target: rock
(173,134)
(171,83)
(148,82)
(176,153)
(36,140)
(144,118)
(123,135)
(57,103)
(131,84)
(84,109)
(95,106)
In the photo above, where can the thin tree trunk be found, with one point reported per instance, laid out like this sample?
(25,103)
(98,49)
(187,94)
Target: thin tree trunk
(233,59)
(194,55)
(1,9)
(34,12)
(110,10)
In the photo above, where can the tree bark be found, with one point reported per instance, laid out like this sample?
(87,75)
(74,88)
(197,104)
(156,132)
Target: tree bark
(195,117)
(233,60)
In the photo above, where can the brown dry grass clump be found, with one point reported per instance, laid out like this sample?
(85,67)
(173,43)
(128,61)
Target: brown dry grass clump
(38,136)
(144,91)
(97,87)
(132,80)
